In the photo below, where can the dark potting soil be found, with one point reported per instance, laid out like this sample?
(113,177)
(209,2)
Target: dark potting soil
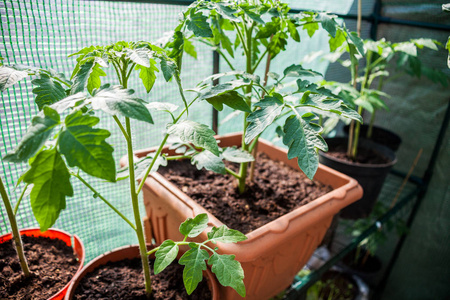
(362,261)
(336,285)
(276,190)
(365,156)
(124,280)
(52,264)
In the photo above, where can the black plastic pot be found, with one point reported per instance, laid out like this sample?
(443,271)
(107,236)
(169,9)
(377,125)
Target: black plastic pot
(367,267)
(380,136)
(370,176)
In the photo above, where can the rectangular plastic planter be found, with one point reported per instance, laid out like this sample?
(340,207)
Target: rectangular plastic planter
(273,253)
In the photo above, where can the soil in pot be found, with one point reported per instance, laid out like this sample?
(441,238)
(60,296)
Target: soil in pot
(52,264)
(335,285)
(365,155)
(124,280)
(276,190)
(363,265)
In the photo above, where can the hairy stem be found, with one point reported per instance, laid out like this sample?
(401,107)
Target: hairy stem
(16,208)
(15,230)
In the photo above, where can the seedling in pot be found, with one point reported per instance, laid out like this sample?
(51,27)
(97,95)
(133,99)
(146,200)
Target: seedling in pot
(261,31)
(78,147)
(378,59)
(10,75)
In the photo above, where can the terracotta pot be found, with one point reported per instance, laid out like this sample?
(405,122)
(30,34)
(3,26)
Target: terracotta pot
(370,176)
(55,234)
(127,252)
(273,253)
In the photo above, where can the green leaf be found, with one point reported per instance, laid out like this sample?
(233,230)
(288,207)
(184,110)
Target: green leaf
(115,100)
(303,138)
(198,25)
(328,23)
(231,99)
(226,11)
(140,56)
(298,71)
(47,91)
(10,76)
(80,79)
(85,147)
(162,106)
(94,81)
(252,14)
(194,262)
(337,41)
(168,68)
(260,119)
(198,134)
(226,87)
(406,47)
(39,131)
(228,271)
(429,43)
(193,227)
(311,28)
(189,48)
(305,86)
(224,234)
(165,255)
(447,46)
(51,180)
(293,31)
(209,161)
(147,74)
(325,103)
(353,39)
(236,155)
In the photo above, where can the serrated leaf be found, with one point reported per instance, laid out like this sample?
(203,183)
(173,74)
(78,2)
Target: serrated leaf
(231,99)
(51,180)
(303,139)
(236,155)
(140,56)
(40,129)
(47,91)
(165,255)
(162,106)
(115,100)
(325,103)
(311,28)
(141,166)
(224,234)
(198,25)
(10,76)
(85,147)
(260,119)
(226,87)
(80,79)
(147,74)
(354,39)
(193,227)
(429,43)
(94,81)
(298,71)
(293,31)
(337,41)
(168,68)
(209,161)
(195,264)
(252,14)
(69,102)
(406,47)
(198,134)
(228,271)
(305,86)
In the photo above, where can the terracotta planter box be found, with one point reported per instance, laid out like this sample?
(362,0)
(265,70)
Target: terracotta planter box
(273,253)
(122,253)
(60,235)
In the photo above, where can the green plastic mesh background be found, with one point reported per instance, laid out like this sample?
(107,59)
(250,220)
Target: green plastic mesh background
(44,33)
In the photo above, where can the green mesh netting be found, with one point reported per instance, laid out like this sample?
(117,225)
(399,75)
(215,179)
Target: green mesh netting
(43,34)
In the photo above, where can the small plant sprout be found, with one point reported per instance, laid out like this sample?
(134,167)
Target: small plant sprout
(62,142)
(260,30)
(378,59)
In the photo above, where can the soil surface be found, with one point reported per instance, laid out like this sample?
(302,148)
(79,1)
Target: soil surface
(335,285)
(362,262)
(124,280)
(277,189)
(365,156)
(51,261)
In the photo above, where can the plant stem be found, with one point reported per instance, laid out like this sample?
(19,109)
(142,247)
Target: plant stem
(103,199)
(15,230)
(356,136)
(248,52)
(372,119)
(16,208)
(137,215)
